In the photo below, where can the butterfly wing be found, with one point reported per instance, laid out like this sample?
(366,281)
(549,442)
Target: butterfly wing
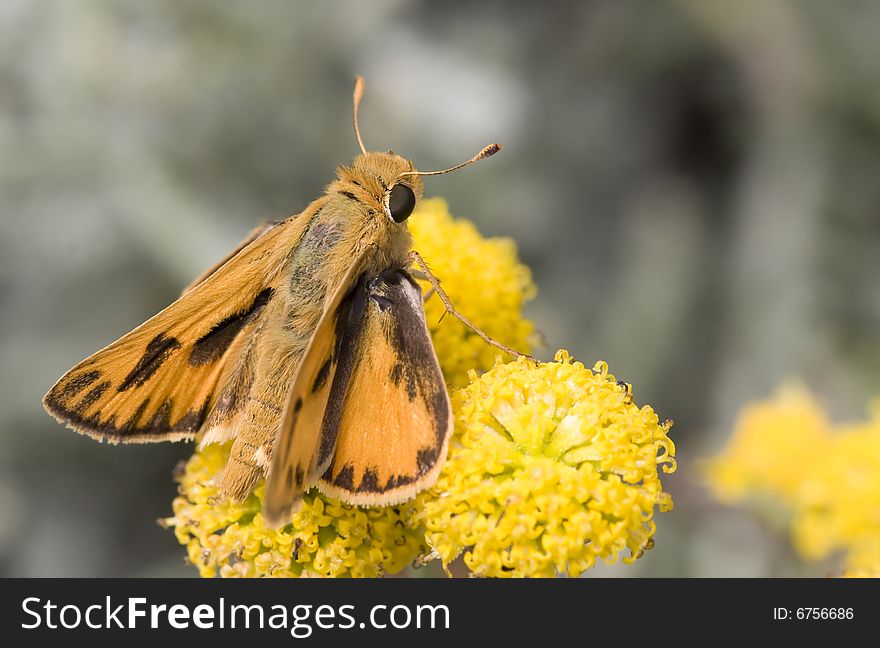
(386,418)
(393,429)
(158,382)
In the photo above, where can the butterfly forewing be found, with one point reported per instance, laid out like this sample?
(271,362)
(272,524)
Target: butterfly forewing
(158,382)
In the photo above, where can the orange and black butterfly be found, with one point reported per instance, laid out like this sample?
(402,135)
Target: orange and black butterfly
(306,347)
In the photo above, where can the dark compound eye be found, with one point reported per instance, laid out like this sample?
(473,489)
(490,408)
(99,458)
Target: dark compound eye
(401,202)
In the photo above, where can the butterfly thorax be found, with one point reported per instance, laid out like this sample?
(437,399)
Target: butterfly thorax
(349,222)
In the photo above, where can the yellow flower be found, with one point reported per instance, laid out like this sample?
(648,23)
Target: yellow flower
(839,503)
(326,538)
(551,467)
(772,445)
(826,476)
(485,282)
(863,559)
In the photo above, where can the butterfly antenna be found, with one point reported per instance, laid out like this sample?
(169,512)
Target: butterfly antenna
(488,151)
(358,93)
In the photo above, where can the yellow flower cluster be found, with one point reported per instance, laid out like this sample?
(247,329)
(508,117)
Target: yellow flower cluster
(772,444)
(326,538)
(484,280)
(826,476)
(551,467)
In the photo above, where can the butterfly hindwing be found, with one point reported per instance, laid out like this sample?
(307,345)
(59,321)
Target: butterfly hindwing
(369,417)
(158,382)
(389,437)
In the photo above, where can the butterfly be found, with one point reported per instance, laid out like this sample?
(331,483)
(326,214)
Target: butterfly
(306,347)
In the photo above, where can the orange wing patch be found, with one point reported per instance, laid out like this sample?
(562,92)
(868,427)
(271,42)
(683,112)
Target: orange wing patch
(157,383)
(391,435)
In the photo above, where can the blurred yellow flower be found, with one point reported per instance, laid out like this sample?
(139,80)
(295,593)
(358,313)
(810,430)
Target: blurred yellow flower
(863,559)
(485,281)
(552,466)
(827,476)
(839,503)
(326,538)
(772,445)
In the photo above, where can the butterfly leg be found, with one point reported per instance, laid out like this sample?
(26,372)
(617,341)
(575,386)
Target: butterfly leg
(415,257)
(418,274)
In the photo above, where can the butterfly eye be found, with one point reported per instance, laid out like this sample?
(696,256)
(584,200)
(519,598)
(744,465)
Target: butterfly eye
(401,202)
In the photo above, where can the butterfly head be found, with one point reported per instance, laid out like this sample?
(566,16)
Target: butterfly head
(388,181)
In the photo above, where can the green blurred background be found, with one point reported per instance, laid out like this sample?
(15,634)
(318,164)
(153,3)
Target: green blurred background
(694,184)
